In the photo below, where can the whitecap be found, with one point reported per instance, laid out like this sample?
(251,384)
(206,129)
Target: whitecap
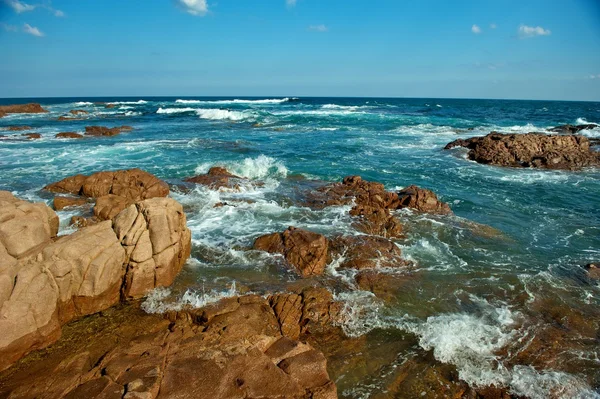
(157,301)
(237,101)
(139,102)
(174,110)
(220,114)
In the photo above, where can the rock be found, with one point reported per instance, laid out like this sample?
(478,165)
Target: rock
(63,202)
(571,129)
(237,352)
(536,150)
(110,106)
(304,250)
(78,112)
(216,178)
(31,108)
(422,200)
(25,227)
(133,184)
(81,221)
(593,270)
(18,128)
(105,131)
(157,241)
(366,252)
(44,284)
(32,136)
(385,286)
(376,221)
(69,135)
(109,206)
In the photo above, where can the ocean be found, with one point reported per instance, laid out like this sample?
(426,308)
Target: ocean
(498,290)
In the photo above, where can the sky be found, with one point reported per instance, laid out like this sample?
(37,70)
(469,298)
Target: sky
(515,49)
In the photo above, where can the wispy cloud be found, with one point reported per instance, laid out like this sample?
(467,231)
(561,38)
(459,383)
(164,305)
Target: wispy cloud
(476,29)
(19,6)
(193,7)
(595,76)
(290,3)
(32,30)
(493,26)
(8,28)
(530,31)
(58,13)
(318,28)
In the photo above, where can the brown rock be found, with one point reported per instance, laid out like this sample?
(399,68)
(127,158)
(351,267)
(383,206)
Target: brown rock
(32,136)
(78,112)
(304,250)
(366,252)
(422,200)
(571,129)
(105,131)
(69,135)
(536,150)
(31,108)
(217,177)
(62,202)
(385,286)
(134,184)
(109,106)
(18,128)
(376,221)
(81,221)
(109,206)
(593,270)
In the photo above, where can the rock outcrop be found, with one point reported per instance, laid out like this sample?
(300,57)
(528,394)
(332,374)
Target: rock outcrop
(304,250)
(133,184)
(535,150)
(422,200)
(44,283)
(593,270)
(366,252)
(217,177)
(231,349)
(31,108)
(68,135)
(98,131)
(572,129)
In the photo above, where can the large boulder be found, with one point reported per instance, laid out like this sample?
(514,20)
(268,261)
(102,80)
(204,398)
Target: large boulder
(535,150)
(61,202)
(31,108)
(133,184)
(44,284)
(304,250)
(376,221)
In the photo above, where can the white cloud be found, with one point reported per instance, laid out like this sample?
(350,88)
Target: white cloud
(530,31)
(18,6)
(493,26)
(318,28)
(32,30)
(476,29)
(194,7)
(59,13)
(595,76)
(8,28)
(290,3)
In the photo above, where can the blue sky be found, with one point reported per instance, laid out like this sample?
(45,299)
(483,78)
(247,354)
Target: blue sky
(530,49)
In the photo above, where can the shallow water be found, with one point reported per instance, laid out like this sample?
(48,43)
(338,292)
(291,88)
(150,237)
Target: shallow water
(502,272)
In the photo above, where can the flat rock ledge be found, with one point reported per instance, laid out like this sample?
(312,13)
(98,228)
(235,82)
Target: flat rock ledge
(47,281)
(31,108)
(530,150)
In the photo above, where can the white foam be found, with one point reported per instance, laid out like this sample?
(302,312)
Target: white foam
(139,102)
(583,121)
(174,110)
(83,103)
(236,101)
(157,300)
(252,168)
(220,114)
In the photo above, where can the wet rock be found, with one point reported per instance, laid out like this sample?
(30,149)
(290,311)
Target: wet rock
(593,270)
(536,150)
(78,112)
(216,178)
(18,128)
(366,252)
(105,131)
(422,200)
(571,129)
(385,286)
(237,351)
(31,108)
(69,135)
(134,184)
(304,250)
(32,136)
(61,202)
(376,221)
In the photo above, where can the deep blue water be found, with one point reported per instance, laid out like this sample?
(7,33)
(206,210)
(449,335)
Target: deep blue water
(479,289)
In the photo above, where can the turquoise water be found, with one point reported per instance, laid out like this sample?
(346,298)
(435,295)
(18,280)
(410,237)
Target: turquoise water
(479,294)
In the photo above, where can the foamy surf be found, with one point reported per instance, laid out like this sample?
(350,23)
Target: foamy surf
(237,101)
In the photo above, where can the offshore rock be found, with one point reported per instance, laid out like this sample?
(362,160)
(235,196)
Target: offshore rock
(106,131)
(535,150)
(61,202)
(366,252)
(68,135)
(31,108)
(217,177)
(573,128)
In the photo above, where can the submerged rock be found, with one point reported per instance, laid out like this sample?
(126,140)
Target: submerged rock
(69,135)
(31,108)
(18,128)
(106,131)
(593,270)
(366,252)
(304,250)
(536,150)
(133,184)
(217,177)
(376,221)
(78,112)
